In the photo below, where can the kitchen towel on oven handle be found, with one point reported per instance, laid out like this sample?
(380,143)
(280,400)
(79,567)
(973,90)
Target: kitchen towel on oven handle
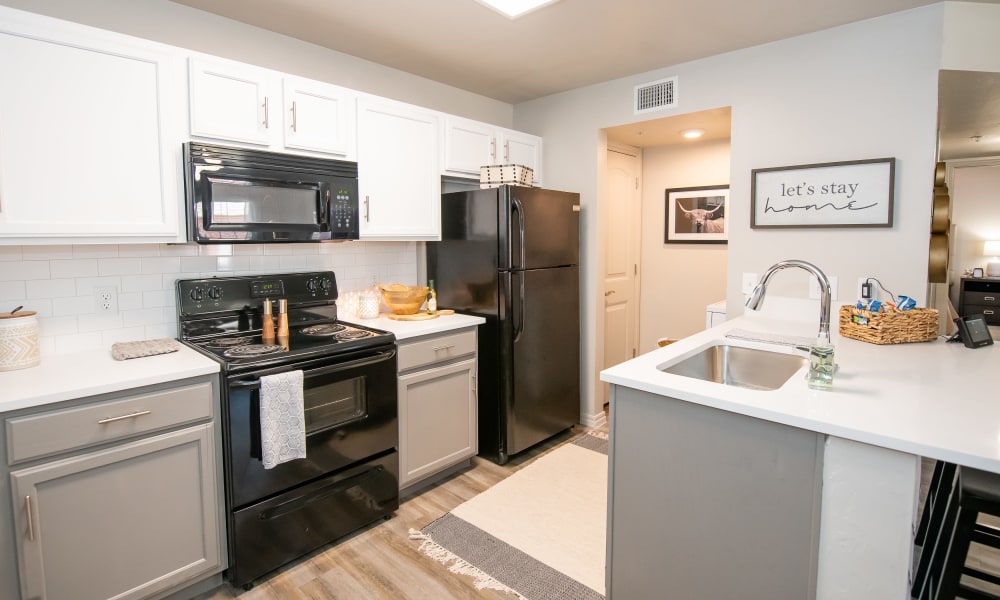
(282,418)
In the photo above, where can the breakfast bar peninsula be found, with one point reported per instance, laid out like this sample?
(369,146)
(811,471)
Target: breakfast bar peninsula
(766,488)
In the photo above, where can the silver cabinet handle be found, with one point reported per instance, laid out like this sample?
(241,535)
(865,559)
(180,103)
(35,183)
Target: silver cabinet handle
(506,152)
(31,518)
(128,416)
(367,220)
(475,384)
(294,128)
(990,298)
(493,150)
(440,348)
(266,119)
(987,312)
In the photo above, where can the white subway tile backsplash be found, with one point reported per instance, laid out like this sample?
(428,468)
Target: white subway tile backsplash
(58,281)
(94,250)
(119,266)
(46,252)
(51,288)
(10,253)
(77,267)
(160,264)
(13,290)
(27,269)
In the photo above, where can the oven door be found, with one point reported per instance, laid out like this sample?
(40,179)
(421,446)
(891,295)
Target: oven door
(350,415)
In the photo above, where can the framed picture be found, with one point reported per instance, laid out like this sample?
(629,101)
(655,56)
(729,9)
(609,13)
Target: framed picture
(857,193)
(696,215)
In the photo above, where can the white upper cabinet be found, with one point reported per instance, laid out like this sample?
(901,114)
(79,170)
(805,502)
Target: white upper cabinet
(398,173)
(236,102)
(89,144)
(469,145)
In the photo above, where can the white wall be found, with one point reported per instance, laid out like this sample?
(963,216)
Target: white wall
(678,280)
(864,90)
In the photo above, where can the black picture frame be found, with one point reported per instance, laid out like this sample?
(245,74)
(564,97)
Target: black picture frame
(696,215)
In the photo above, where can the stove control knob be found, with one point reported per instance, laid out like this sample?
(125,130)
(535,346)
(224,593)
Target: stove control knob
(215,293)
(197,295)
(311,285)
(325,284)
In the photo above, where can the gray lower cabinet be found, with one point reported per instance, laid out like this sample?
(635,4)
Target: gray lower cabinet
(437,404)
(135,512)
(705,503)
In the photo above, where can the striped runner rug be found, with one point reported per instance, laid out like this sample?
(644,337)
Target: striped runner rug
(538,534)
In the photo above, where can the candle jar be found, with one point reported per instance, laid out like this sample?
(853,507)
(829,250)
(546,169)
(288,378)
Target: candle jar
(368,304)
(18,340)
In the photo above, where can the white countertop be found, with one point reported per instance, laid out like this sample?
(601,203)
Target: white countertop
(935,399)
(67,376)
(411,329)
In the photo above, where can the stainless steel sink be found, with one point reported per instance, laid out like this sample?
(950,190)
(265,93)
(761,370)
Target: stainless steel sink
(743,367)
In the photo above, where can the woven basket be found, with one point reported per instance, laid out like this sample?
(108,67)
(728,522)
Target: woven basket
(914,325)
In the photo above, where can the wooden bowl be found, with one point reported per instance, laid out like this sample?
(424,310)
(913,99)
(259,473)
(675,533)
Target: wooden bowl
(404,299)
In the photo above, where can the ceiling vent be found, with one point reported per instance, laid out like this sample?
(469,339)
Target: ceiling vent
(656,95)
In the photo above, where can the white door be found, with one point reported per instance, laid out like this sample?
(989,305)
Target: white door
(319,117)
(621,256)
(468,145)
(231,101)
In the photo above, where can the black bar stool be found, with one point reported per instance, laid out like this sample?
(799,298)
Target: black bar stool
(948,526)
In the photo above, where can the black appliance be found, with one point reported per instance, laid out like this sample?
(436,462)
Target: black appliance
(236,195)
(350,476)
(511,255)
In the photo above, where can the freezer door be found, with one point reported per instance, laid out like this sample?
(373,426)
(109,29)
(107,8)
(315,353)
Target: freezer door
(544,354)
(542,228)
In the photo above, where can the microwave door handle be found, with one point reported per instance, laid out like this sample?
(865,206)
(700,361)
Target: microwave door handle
(324,217)
(251,384)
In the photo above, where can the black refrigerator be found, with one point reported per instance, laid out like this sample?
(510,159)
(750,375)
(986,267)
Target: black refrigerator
(512,255)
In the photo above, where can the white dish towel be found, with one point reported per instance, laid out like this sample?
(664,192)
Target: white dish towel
(282,418)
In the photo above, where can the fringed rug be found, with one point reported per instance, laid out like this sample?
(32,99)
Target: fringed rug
(539,534)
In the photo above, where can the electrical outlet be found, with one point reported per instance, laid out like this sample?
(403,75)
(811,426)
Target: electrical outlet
(749,282)
(106,299)
(814,287)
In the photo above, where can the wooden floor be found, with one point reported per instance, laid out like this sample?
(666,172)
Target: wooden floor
(381,562)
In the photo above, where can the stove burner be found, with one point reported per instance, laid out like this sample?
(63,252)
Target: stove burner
(228,342)
(199,331)
(321,330)
(253,350)
(353,334)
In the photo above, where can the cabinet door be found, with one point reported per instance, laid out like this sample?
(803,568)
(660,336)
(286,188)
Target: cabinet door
(521,149)
(87,134)
(398,173)
(232,101)
(468,145)
(437,419)
(319,117)
(125,522)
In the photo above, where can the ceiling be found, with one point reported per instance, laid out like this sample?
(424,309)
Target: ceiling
(574,43)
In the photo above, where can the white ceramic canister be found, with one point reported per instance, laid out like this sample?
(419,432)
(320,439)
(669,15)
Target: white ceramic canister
(18,340)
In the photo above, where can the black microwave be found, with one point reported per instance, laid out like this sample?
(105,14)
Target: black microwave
(238,195)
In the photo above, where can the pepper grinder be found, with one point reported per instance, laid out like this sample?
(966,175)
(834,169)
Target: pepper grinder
(283,322)
(267,326)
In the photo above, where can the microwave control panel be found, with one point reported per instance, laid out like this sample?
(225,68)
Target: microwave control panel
(344,212)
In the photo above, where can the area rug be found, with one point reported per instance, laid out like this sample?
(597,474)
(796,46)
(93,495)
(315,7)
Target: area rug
(539,534)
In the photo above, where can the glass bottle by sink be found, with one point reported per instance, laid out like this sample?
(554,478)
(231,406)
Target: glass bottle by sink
(739,366)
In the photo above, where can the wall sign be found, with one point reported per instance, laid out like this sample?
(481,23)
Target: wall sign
(856,193)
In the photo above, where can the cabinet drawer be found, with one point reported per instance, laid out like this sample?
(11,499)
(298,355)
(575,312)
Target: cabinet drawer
(983,298)
(435,349)
(992,313)
(37,435)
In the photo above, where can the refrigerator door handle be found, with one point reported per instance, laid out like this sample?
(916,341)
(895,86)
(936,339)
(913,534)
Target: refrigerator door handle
(519,312)
(517,208)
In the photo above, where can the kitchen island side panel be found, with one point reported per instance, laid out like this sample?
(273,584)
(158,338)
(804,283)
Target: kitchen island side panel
(709,504)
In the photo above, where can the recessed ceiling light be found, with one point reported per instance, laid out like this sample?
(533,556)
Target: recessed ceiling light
(693,134)
(515,8)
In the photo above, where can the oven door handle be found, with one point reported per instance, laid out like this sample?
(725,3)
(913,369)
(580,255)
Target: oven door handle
(250,384)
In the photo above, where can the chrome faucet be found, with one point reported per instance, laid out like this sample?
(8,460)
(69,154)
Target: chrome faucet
(756,298)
